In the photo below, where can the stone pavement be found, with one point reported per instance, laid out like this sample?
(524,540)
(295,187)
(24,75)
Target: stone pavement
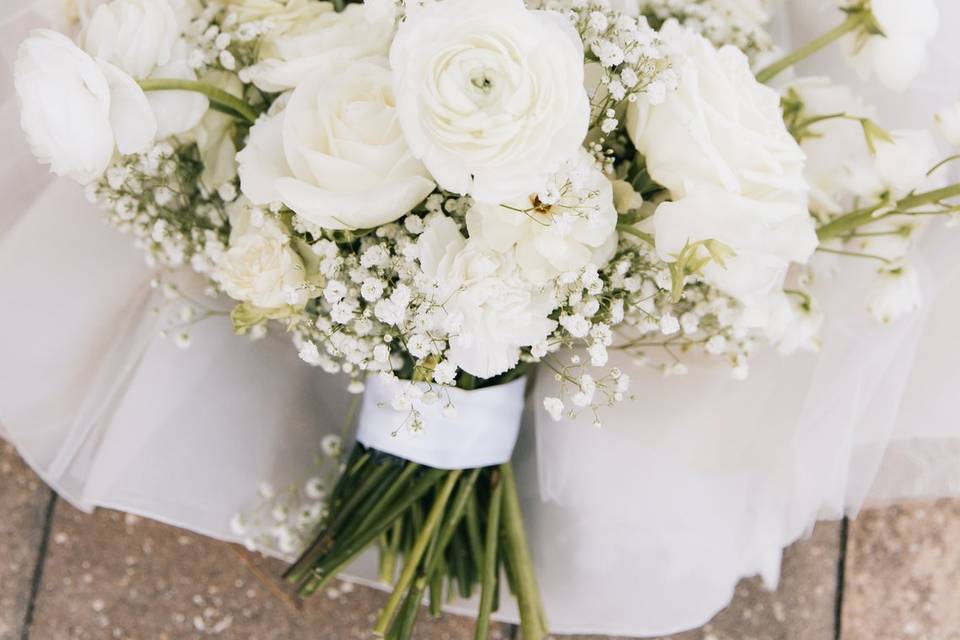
(65,575)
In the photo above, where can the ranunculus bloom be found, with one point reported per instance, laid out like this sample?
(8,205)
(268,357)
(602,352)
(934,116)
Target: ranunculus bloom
(498,310)
(319,39)
(553,235)
(142,37)
(490,94)
(336,154)
(735,175)
(260,266)
(134,35)
(75,110)
(900,54)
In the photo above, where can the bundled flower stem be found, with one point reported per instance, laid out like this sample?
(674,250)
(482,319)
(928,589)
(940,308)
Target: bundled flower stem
(457,531)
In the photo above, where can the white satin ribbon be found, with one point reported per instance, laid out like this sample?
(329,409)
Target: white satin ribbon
(480,431)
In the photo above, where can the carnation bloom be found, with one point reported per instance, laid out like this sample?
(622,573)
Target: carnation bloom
(498,311)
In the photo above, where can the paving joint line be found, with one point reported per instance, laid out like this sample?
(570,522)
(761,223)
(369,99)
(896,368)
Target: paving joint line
(841,578)
(38,568)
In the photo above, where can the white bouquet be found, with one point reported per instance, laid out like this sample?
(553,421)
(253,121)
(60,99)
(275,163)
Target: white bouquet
(432,198)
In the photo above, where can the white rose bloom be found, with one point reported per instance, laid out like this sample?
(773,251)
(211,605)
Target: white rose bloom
(107,110)
(490,94)
(260,266)
(947,121)
(719,145)
(336,154)
(135,35)
(575,229)
(321,39)
(895,293)
(501,311)
(900,54)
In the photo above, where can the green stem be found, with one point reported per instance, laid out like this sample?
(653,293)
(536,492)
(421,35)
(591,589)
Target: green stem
(488,579)
(853,254)
(646,237)
(416,553)
(216,96)
(846,223)
(852,23)
(533,623)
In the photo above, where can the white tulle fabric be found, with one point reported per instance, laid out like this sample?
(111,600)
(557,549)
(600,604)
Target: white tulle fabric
(642,527)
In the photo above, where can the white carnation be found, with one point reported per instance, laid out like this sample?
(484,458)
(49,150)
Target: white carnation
(501,311)
(577,229)
(490,95)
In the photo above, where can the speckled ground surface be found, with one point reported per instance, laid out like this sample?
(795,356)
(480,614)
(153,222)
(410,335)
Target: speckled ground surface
(65,575)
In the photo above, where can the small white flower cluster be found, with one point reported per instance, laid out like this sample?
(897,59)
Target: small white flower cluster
(742,24)
(629,56)
(219,41)
(157,197)
(285,519)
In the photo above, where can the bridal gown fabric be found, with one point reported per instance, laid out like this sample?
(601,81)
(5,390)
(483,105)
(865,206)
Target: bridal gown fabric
(642,527)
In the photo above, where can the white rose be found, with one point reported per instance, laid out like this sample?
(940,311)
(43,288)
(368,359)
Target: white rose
(501,311)
(135,35)
(336,155)
(260,266)
(947,121)
(554,235)
(106,111)
(320,39)
(900,54)
(490,95)
(719,145)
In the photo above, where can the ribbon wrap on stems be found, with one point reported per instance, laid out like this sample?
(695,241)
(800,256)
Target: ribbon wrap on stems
(460,429)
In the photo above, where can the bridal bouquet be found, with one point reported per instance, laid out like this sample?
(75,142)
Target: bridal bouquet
(432,198)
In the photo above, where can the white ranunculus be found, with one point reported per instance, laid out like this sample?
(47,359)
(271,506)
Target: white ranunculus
(895,293)
(719,145)
(320,39)
(260,266)
(135,35)
(336,155)
(498,310)
(554,235)
(947,121)
(490,94)
(106,111)
(900,54)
